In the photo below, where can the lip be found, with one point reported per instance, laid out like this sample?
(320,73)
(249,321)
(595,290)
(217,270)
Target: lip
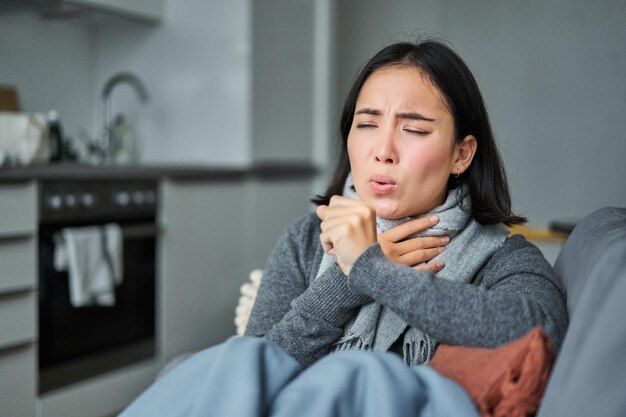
(382,184)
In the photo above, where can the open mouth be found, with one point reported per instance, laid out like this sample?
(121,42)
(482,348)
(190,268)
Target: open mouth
(382,185)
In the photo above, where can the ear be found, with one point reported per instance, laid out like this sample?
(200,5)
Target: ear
(464,154)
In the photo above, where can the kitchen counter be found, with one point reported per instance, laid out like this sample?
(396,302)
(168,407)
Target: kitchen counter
(214,224)
(141,172)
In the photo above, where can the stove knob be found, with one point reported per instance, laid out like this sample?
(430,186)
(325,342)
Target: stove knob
(55,202)
(138,198)
(150,197)
(87,200)
(122,198)
(70,200)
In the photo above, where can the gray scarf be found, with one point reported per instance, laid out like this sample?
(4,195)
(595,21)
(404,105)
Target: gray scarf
(376,327)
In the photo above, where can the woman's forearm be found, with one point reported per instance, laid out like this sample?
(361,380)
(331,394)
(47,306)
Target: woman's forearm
(317,317)
(303,319)
(511,300)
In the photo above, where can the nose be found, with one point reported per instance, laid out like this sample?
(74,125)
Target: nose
(386,150)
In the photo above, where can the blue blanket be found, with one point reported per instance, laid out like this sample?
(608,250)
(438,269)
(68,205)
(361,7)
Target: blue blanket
(251,377)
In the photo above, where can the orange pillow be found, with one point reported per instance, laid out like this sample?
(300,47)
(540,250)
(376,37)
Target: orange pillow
(505,381)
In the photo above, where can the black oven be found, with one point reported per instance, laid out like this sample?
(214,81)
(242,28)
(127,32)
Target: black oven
(76,343)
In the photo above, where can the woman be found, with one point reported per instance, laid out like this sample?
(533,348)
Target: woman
(415,133)
(407,249)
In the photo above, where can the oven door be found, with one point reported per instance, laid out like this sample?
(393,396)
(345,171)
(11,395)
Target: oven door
(78,343)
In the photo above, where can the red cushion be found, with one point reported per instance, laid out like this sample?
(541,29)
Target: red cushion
(506,381)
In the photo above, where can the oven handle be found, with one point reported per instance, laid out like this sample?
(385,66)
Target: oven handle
(139,230)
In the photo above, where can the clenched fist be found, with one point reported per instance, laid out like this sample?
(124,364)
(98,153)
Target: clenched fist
(348,228)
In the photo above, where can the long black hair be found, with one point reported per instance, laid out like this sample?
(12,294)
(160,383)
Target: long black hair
(489,191)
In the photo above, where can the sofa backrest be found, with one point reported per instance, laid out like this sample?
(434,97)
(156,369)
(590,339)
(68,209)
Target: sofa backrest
(589,375)
(589,242)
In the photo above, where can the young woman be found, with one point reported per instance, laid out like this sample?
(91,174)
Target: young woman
(407,249)
(416,138)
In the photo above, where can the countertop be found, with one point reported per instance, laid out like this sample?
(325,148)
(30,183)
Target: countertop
(51,172)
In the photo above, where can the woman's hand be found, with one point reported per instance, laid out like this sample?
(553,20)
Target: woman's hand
(348,228)
(417,250)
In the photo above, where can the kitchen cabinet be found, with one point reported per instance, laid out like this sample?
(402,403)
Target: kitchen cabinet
(202,261)
(215,226)
(145,10)
(214,233)
(18,308)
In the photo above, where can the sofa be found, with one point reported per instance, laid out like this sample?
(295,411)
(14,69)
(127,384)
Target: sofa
(589,375)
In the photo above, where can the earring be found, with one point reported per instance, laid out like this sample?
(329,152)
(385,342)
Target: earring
(458,173)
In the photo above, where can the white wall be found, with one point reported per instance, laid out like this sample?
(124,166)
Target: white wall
(552,75)
(231,83)
(196,66)
(51,64)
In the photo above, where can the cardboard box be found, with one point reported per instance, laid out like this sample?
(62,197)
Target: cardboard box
(8,98)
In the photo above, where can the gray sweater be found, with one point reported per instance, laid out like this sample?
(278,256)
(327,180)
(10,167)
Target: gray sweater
(514,291)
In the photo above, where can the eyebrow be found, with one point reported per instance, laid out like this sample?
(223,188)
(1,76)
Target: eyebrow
(410,116)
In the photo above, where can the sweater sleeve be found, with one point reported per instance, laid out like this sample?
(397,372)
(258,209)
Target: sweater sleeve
(302,319)
(515,291)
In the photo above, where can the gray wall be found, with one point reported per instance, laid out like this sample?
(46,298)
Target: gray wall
(282,79)
(231,82)
(196,65)
(51,64)
(552,74)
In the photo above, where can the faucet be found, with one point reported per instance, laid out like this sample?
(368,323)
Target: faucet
(104,139)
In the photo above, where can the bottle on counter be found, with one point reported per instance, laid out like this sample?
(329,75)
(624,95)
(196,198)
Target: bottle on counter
(55,136)
(123,141)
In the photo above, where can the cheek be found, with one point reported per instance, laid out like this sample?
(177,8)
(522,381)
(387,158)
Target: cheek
(428,159)
(356,153)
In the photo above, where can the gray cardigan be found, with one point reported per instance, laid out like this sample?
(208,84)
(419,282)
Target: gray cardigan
(514,291)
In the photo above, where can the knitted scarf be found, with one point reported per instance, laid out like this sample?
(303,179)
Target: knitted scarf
(376,327)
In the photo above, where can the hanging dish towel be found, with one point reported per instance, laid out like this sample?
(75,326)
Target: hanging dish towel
(92,257)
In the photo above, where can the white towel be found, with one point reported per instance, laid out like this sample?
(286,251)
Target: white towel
(93,258)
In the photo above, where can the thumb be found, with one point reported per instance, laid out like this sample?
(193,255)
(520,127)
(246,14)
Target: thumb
(321,211)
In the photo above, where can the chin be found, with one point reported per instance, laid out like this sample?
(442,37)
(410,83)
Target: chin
(386,211)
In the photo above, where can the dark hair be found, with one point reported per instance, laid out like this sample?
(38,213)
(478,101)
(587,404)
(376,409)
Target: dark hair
(489,191)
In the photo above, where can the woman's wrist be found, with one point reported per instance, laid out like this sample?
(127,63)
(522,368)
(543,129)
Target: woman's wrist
(330,298)
(361,277)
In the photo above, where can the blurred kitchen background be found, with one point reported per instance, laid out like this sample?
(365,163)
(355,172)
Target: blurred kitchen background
(200,128)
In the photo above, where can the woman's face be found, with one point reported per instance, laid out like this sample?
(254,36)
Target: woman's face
(401,143)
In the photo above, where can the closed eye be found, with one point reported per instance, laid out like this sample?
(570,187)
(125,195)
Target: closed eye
(365,126)
(417,132)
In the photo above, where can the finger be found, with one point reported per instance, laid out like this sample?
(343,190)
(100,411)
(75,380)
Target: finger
(339,200)
(349,225)
(332,222)
(350,212)
(416,243)
(411,227)
(324,210)
(321,211)
(419,256)
(430,267)
(326,243)
(334,229)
